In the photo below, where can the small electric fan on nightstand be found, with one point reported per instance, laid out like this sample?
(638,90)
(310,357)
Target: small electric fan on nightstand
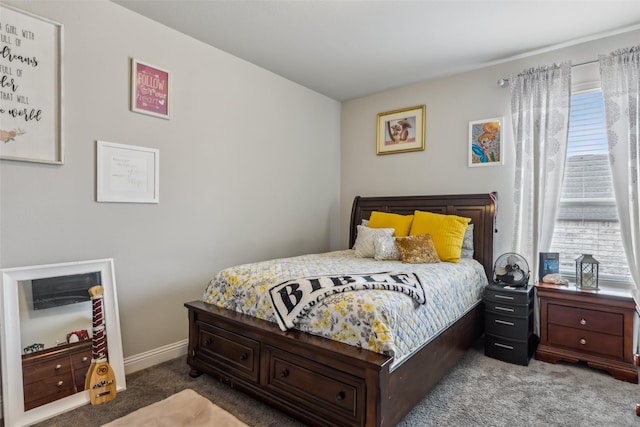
(511,269)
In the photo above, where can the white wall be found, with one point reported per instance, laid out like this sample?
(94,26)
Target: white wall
(249,169)
(450,104)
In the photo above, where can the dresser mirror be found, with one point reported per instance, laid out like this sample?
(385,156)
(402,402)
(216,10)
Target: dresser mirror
(47,319)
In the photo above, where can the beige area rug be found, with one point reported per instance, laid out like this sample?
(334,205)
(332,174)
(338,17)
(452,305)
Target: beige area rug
(186,408)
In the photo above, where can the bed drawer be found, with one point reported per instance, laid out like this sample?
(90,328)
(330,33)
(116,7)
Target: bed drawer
(338,396)
(230,352)
(581,340)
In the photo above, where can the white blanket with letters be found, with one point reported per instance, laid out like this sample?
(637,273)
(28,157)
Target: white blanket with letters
(292,299)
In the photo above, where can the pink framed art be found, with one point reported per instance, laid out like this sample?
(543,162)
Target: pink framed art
(150,89)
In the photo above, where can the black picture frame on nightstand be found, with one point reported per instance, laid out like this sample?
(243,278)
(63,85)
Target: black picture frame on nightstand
(509,321)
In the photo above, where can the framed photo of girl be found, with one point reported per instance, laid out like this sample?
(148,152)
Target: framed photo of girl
(150,89)
(401,130)
(485,142)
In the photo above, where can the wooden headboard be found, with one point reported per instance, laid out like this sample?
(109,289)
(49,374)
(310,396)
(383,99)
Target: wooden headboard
(478,207)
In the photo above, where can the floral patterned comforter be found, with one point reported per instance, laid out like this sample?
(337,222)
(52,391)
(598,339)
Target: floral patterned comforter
(386,322)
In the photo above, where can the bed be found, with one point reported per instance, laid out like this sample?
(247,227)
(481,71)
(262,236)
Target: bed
(321,381)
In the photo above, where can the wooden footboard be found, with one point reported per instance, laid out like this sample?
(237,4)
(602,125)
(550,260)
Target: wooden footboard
(316,380)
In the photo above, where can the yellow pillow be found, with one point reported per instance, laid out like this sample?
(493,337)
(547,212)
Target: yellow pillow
(447,232)
(400,223)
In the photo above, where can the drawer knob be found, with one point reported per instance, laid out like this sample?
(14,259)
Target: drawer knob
(57,368)
(284,373)
(583,322)
(340,396)
(583,341)
(208,342)
(59,384)
(244,356)
(84,359)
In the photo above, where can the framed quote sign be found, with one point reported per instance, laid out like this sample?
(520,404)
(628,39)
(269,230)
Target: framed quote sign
(30,87)
(127,173)
(150,87)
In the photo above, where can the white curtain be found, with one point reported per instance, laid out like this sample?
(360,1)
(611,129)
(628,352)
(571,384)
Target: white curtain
(540,100)
(620,74)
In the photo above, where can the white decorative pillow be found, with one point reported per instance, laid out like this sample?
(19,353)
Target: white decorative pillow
(364,241)
(467,243)
(385,248)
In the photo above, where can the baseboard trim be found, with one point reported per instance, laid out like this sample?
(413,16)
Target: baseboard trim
(141,361)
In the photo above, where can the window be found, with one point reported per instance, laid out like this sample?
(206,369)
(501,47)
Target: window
(587,221)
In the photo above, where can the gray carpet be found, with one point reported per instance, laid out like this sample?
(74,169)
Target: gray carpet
(479,391)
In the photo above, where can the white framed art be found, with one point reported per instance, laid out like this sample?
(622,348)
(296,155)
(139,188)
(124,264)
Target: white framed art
(127,173)
(485,142)
(31,98)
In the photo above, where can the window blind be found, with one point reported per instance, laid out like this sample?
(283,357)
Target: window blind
(587,219)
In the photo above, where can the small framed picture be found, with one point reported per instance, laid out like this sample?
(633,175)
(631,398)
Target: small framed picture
(127,173)
(485,142)
(150,89)
(401,130)
(549,264)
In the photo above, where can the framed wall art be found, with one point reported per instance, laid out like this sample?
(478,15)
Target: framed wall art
(401,130)
(485,142)
(150,89)
(127,173)
(31,89)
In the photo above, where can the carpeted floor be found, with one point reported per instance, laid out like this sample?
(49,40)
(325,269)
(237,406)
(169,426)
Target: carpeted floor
(480,391)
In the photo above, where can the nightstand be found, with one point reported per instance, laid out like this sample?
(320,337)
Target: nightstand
(509,323)
(593,326)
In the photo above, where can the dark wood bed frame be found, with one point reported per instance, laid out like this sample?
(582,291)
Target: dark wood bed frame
(323,382)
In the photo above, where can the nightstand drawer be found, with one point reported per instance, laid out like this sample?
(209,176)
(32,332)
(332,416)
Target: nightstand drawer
(512,351)
(590,320)
(508,327)
(520,297)
(587,341)
(508,309)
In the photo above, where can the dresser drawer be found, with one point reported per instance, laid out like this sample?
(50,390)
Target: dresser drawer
(581,318)
(339,397)
(510,297)
(80,363)
(33,372)
(47,390)
(508,327)
(229,351)
(586,341)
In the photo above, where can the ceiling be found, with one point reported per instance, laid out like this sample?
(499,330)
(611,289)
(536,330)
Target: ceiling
(349,49)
